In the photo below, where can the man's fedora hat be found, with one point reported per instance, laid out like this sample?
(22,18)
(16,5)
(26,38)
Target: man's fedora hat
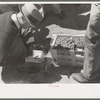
(32,12)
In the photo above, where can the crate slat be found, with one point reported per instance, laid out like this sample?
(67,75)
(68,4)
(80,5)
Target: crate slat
(73,57)
(79,58)
(64,62)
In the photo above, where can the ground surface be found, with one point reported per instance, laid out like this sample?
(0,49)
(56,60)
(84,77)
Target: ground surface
(76,20)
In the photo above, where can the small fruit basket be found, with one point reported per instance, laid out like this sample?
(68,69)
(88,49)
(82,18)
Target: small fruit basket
(68,49)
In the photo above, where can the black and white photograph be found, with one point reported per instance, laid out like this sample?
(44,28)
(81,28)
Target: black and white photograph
(49,49)
(49,43)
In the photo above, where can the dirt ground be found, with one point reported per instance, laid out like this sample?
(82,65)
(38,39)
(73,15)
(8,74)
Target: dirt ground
(76,20)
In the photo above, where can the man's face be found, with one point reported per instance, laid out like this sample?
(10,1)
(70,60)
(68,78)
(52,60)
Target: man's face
(24,24)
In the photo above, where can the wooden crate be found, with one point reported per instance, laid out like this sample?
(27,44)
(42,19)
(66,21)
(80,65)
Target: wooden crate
(68,57)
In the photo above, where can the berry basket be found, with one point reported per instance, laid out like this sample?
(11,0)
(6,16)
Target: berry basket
(68,49)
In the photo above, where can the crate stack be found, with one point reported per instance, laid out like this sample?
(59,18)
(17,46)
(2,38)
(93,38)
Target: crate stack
(68,49)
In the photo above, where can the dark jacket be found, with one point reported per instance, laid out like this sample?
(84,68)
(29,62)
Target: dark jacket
(8,31)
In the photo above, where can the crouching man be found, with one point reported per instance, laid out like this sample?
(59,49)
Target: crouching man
(13,49)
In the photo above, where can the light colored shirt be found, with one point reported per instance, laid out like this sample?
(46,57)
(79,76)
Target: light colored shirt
(14,18)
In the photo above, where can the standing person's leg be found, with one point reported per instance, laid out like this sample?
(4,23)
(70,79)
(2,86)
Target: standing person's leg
(91,67)
(92,48)
(57,10)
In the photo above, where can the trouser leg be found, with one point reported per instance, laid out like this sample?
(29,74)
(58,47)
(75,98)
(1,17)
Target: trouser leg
(91,67)
(56,8)
(18,53)
(17,57)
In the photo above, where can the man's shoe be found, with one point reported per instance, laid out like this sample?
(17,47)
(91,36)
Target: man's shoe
(79,78)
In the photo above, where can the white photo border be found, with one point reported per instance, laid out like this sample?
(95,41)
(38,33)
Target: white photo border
(44,91)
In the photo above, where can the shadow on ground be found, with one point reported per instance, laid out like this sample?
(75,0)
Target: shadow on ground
(30,73)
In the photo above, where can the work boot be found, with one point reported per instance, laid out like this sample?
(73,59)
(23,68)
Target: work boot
(81,79)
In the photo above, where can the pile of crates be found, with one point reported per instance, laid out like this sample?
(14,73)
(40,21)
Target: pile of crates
(68,49)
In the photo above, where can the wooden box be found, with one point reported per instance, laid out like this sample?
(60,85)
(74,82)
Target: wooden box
(66,56)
